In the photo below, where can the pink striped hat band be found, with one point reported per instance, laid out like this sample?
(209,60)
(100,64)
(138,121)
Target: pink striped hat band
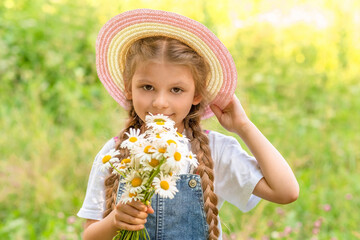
(120,32)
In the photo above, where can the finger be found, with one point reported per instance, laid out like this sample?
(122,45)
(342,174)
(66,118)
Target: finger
(216,110)
(150,209)
(128,219)
(138,205)
(130,227)
(131,211)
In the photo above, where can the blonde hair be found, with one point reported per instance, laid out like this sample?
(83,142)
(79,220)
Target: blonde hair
(174,51)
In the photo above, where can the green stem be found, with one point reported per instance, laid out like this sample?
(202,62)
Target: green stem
(153,174)
(147,185)
(122,174)
(132,235)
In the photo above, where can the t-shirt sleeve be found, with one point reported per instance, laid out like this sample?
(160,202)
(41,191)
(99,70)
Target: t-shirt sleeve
(94,202)
(236,172)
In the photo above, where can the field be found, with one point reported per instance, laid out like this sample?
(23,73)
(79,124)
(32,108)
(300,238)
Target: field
(298,80)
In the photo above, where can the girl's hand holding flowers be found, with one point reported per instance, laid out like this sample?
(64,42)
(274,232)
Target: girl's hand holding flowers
(132,215)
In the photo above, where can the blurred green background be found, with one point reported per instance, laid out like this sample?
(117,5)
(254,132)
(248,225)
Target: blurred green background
(298,65)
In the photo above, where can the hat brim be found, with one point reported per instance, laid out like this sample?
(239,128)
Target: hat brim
(118,34)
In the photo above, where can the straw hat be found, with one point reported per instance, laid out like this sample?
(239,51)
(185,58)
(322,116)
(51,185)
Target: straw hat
(117,35)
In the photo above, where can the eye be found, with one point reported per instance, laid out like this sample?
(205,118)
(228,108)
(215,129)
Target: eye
(148,87)
(176,90)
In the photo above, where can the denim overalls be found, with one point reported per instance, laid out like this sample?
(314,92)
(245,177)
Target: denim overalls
(182,217)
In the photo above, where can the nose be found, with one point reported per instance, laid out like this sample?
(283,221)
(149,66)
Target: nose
(160,101)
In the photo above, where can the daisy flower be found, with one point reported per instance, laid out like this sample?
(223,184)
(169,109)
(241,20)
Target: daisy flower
(134,138)
(175,158)
(144,152)
(191,157)
(135,182)
(127,196)
(170,139)
(165,186)
(118,168)
(159,149)
(181,137)
(123,165)
(155,136)
(126,162)
(150,165)
(108,159)
(159,122)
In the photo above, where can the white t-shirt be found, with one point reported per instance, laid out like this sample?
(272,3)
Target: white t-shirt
(236,175)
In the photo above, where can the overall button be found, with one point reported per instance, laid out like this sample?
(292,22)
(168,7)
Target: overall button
(192,183)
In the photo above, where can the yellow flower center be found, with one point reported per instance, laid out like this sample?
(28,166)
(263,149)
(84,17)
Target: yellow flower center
(180,135)
(147,148)
(106,158)
(158,135)
(132,195)
(177,156)
(159,121)
(170,141)
(170,173)
(133,139)
(164,185)
(154,162)
(190,156)
(162,150)
(125,160)
(136,182)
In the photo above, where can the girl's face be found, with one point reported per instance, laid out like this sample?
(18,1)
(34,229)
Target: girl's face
(165,88)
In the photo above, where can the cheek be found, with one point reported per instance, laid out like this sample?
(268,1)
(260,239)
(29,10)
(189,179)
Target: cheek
(139,102)
(142,104)
(185,104)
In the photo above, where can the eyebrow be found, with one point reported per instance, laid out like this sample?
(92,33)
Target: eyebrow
(142,80)
(147,81)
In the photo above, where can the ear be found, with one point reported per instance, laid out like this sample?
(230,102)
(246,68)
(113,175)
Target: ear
(128,95)
(197,99)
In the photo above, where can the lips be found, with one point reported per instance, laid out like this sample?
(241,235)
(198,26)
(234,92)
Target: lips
(167,115)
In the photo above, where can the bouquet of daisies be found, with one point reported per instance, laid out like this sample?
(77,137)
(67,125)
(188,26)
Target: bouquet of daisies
(154,162)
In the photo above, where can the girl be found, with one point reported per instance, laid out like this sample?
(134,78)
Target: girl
(159,62)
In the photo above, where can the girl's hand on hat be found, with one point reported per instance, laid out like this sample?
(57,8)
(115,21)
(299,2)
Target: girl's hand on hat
(132,215)
(233,116)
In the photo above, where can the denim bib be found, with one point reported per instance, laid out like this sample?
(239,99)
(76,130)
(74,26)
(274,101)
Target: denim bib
(182,217)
